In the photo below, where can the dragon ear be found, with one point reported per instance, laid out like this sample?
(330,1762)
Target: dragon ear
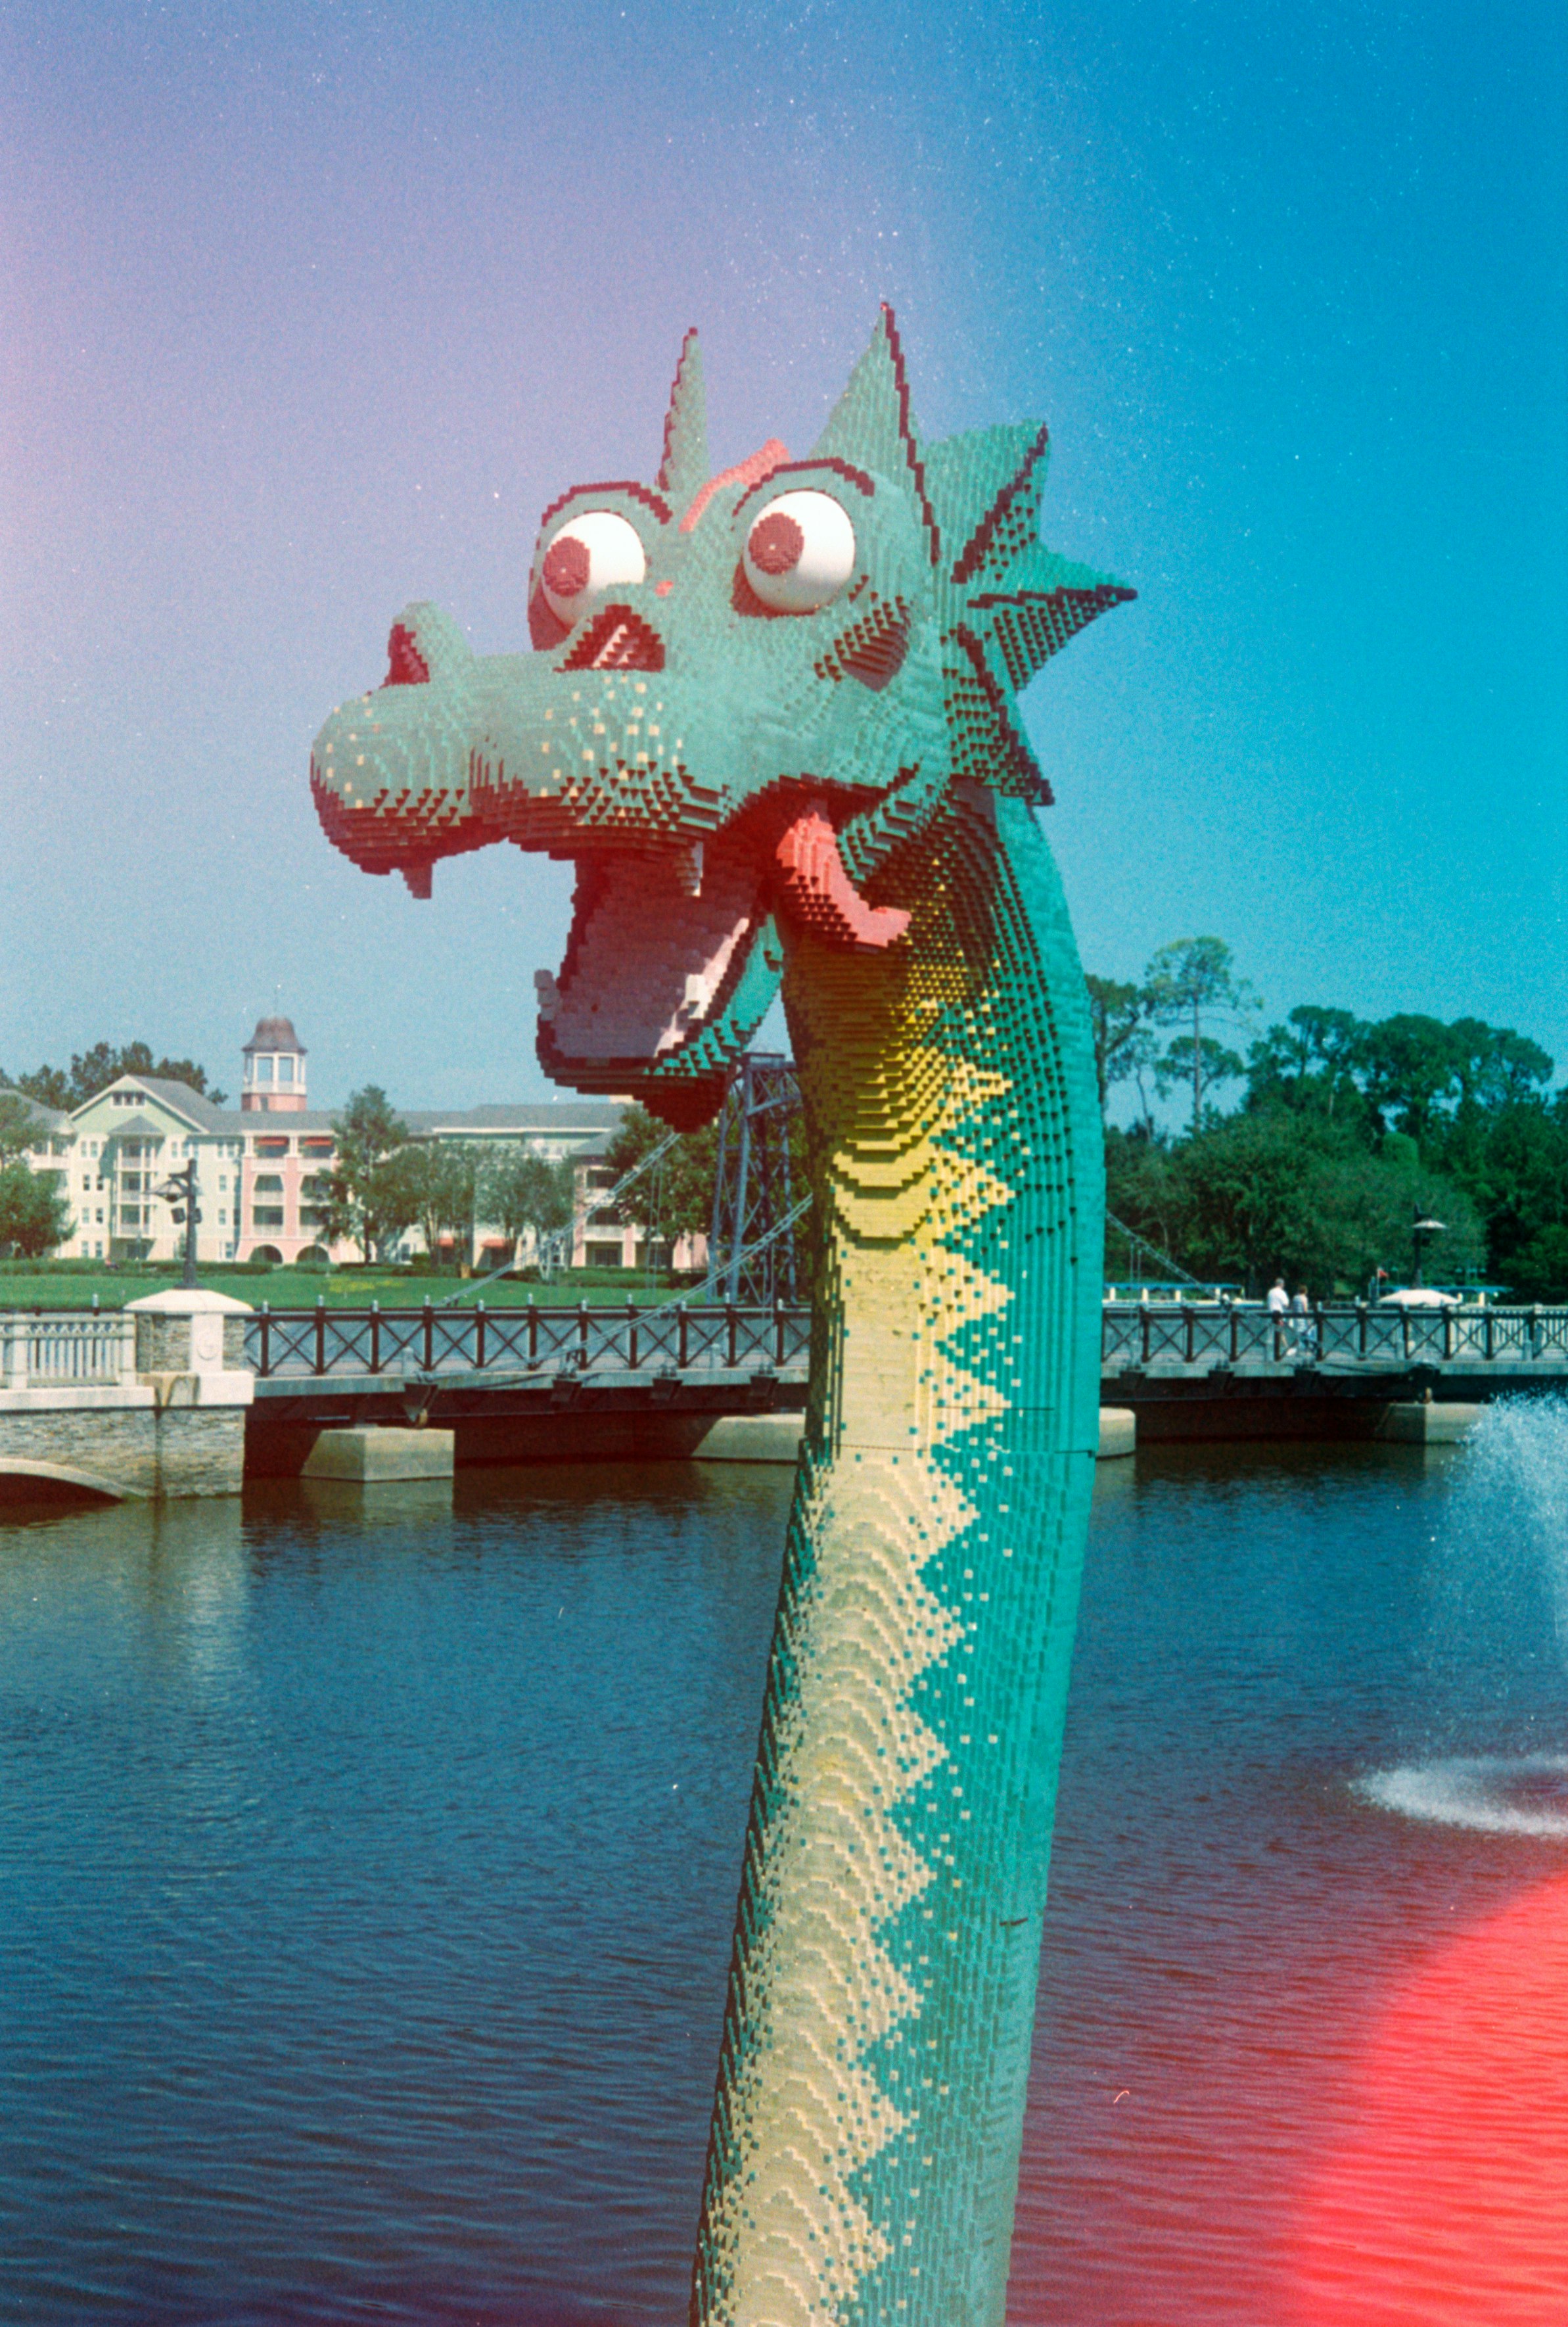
(872,426)
(684,470)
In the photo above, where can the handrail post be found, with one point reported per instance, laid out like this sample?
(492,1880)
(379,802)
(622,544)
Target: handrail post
(1360,1329)
(429,1336)
(1447,1334)
(375,1337)
(265,1367)
(631,1333)
(778,1330)
(533,1332)
(1144,1332)
(732,1319)
(683,1322)
(479,1337)
(582,1336)
(1235,1331)
(321,1333)
(1487,1341)
(1190,1321)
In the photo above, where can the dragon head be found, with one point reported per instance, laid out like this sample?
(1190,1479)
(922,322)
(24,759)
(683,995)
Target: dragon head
(745,692)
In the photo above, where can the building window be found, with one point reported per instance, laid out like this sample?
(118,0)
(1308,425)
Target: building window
(266,1216)
(285,1070)
(603,1255)
(264,1070)
(321,1148)
(268,1183)
(272,1146)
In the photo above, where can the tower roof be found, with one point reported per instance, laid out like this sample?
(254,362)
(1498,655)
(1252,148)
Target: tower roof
(274,1034)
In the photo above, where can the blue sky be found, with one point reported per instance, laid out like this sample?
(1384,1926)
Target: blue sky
(309,311)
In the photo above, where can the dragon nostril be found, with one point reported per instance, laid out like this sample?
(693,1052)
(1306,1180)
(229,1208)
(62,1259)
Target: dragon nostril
(406,666)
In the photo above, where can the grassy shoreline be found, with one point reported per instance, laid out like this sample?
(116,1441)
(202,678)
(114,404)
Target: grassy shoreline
(74,1284)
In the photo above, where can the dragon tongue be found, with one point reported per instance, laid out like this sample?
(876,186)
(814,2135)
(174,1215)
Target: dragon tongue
(814,885)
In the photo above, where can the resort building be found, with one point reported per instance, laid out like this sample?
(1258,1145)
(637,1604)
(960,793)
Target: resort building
(262,1167)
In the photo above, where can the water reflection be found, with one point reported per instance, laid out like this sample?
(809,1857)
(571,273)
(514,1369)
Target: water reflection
(366,1865)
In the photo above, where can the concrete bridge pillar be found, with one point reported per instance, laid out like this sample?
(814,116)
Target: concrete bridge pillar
(191,1354)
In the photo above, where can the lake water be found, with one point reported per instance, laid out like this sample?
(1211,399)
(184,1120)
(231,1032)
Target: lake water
(366,1879)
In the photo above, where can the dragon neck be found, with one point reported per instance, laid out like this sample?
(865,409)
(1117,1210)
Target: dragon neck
(864,2160)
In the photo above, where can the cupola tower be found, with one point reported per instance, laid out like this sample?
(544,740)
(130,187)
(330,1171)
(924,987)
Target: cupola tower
(275,1069)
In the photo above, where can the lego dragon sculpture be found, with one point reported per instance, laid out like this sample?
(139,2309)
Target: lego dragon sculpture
(770,717)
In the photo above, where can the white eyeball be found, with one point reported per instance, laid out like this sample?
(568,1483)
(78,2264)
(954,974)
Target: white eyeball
(799,552)
(592,555)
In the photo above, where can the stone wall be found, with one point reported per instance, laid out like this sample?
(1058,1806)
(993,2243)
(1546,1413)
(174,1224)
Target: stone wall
(116,1443)
(201,1450)
(133,1449)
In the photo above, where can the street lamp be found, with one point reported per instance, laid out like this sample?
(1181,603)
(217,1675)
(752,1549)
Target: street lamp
(1424,1227)
(180,1190)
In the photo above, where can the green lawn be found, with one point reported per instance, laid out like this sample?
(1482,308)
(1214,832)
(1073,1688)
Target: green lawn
(74,1284)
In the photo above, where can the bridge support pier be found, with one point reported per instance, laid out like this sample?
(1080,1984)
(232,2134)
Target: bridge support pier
(1429,1423)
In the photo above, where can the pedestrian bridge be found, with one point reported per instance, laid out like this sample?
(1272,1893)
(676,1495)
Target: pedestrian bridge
(79,1392)
(524,1382)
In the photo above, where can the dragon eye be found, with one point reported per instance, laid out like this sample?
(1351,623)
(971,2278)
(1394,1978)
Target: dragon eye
(800,553)
(591,555)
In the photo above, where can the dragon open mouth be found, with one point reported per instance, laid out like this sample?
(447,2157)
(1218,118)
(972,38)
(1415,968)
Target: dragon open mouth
(662,944)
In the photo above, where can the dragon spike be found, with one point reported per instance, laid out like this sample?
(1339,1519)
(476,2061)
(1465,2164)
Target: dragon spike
(1038,603)
(986,486)
(684,470)
(872,424)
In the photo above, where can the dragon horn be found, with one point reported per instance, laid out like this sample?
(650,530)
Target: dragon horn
(872,424)
(684,470)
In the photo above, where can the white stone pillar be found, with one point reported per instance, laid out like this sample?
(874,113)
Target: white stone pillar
(190,1351)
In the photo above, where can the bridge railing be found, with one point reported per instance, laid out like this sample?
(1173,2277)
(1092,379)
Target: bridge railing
(679,1337)
(64,1349)
(1140,1334)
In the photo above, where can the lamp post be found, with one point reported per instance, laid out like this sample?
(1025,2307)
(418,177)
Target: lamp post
(179,1190)
(1423,1226)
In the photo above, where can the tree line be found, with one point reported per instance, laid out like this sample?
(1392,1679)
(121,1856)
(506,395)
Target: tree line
(1340,1132)
(91,1071)
(1343,1131)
